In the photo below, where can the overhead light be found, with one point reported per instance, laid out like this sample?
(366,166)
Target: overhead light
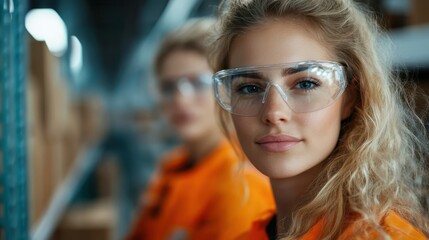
(44,24)
(75,55)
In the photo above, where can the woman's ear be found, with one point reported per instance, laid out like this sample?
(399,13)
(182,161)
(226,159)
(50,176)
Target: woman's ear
(349,102)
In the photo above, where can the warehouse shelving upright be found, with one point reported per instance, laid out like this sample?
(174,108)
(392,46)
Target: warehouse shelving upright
(13,165)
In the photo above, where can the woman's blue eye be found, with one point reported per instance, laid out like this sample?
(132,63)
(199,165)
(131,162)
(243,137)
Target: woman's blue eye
(249,89)
(306,85)
(168,89)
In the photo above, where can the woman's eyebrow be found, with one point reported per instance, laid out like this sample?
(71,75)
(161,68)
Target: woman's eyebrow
(293,70)
(254,75)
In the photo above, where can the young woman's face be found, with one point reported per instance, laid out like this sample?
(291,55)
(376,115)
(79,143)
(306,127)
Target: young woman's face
(187,99)
(280,142)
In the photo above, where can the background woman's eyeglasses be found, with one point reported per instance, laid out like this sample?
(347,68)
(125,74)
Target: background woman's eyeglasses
(305,86)
(187,86)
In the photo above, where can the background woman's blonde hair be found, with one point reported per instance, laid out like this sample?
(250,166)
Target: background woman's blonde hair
(380,162)
(194,35)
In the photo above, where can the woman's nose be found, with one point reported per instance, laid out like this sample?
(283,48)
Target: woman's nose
(274,108)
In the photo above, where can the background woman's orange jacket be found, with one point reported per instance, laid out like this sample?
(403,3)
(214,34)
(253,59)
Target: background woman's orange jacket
(208,201)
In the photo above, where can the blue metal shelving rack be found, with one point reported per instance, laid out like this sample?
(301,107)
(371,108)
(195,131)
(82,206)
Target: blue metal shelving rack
(13,160)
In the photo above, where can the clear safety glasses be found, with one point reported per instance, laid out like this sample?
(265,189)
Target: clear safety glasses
(188,86)
(305,86)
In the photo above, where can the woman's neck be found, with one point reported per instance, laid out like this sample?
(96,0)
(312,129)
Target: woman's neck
(201,147)
(289,193)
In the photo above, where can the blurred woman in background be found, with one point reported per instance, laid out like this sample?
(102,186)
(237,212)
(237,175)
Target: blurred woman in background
(316,109)
(198,192)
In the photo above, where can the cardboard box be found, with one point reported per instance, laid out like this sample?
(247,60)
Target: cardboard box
(35,152)
(92,122)
(95,220)
(419,13)
(57,130)
(54,97)
(71,142)
(48,123)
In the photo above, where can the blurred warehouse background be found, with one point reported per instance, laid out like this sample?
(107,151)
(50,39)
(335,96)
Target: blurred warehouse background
(80,131)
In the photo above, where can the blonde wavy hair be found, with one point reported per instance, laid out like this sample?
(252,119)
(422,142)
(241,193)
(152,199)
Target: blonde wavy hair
(194,35)
(380,162)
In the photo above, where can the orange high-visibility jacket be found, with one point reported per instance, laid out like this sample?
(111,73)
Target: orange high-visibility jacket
(397,227)
(211,200)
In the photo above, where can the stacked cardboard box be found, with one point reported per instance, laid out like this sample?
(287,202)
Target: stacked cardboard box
(419,12)
(58,127)
(47,111)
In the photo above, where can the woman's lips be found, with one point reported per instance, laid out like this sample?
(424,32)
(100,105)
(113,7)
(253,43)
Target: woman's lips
(277,143)
(182,119)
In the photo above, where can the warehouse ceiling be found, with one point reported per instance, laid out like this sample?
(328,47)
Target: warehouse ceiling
(112,30)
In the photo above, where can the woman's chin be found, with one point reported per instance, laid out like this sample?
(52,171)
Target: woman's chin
(189,134)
